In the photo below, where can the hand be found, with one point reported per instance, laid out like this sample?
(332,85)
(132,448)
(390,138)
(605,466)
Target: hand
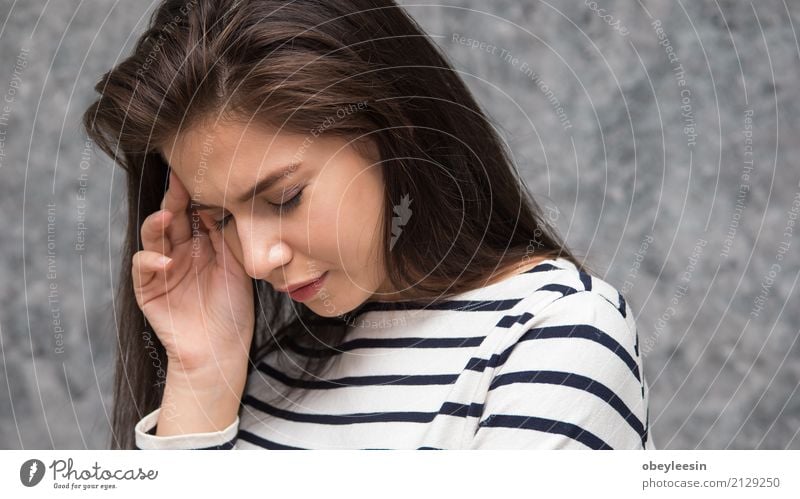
(199,301)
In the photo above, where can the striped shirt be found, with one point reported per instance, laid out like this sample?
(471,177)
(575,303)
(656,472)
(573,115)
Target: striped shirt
(544,359)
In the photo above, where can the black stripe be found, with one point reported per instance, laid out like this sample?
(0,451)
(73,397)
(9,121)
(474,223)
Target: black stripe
(586,279)
(263,442)
(542,267)
(479,305)
(621,304)
(477,364)
(339,419)
(272,445)
(583,331)
(448,408)
(548,426)
(558,288)
(226,446)
(461,410)
(388,448)
(464,342)
(388,379)
(456,305)
(510,320)
(575,381)
(473,364)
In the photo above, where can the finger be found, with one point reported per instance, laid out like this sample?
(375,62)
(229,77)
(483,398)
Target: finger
(222,252)
(216,243)
(155,232)
(201,246)
(176,200)
(145,266)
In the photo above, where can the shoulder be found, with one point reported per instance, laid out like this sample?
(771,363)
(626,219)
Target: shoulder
(571,321)
(560,294)
(565,363)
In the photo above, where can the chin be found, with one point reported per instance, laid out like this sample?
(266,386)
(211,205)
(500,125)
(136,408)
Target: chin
(326,306)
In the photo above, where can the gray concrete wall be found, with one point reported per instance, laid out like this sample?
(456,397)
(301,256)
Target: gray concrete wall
(625,180)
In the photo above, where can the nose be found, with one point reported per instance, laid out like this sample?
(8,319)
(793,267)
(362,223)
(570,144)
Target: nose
(262,252)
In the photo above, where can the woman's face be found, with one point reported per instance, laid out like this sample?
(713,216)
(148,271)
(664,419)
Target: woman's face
(330,221)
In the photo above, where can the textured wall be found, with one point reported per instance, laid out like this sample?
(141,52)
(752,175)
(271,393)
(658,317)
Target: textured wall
(663,156)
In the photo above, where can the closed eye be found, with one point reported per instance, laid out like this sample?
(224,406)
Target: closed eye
(290,204)
(281,208)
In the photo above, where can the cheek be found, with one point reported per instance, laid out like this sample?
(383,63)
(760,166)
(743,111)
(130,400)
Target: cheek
(342,225)
(320,234)
(358,226)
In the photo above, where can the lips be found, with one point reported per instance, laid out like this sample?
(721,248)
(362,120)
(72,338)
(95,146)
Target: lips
(297,286)
(307,292)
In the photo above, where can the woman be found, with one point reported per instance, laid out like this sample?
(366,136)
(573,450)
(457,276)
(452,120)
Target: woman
(344,256)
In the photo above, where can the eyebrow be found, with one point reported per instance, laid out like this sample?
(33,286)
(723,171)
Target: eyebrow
(262,185)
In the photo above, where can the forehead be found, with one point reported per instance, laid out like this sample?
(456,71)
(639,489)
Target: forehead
(227,145)
(222,161)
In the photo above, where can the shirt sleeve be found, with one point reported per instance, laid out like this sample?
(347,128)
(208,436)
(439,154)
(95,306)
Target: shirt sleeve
(146,439)
(570,379)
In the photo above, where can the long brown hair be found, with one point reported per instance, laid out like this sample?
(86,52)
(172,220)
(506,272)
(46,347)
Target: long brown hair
(295,65)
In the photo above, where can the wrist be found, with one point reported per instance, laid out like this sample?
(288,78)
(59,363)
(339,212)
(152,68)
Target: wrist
(208,369)
(198,404)
(212,379)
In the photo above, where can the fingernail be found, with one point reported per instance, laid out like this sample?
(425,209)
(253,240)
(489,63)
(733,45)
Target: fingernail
(164,260)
